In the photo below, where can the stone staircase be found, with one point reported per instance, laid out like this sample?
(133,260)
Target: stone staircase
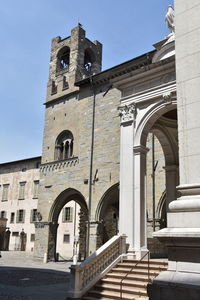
(127,280)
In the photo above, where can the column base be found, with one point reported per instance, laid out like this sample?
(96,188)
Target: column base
(175,285)
(182,279)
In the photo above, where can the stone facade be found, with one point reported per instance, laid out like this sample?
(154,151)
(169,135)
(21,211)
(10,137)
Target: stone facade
(18,206)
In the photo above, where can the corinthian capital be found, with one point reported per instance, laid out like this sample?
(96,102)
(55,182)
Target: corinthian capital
(127,113)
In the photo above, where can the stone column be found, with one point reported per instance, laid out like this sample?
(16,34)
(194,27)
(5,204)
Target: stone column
(45,240)
(140,239)
(93,237)
(182,237)
(126,204)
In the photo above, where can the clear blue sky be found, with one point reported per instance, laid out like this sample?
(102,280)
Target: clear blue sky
(127,28)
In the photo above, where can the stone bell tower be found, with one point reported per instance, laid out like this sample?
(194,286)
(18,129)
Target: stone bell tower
(72,59)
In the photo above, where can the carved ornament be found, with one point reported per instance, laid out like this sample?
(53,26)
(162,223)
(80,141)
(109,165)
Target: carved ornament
(127,113)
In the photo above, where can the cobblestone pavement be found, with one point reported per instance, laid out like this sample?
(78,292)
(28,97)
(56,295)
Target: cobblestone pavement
(24,278)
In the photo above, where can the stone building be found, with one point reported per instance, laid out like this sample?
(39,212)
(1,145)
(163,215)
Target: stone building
(19,188)
(19,183)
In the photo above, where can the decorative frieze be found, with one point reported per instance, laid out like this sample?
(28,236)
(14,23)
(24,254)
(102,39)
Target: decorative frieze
(127,113)
(59,165)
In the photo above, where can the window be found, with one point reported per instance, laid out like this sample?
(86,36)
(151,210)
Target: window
(67,214)
(88,60)
(65,83)
(35,189)
(20,216)
(21,190)
(33,215)
(5,192)
(15,233)
(3,214)
(63,59)
(32,239)
(64,145)
(66,238)
(12,217)
(53,87)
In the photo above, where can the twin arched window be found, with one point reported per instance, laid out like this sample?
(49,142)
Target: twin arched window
(63,59)
(64,145)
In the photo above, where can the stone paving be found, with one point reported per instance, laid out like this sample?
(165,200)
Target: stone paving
(24,278)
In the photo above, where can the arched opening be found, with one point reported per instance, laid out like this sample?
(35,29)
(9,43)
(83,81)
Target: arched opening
(108,215)
(70,213)
(64,145)
(161,177)
(63,59)
(89,59)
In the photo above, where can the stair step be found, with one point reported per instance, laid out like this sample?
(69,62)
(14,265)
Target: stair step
(142,267)
(130,276)
(141,272)
(111,295)
(114,297)
(125,282)
(129,289)
(151,261)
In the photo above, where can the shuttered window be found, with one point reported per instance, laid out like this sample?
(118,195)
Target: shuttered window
(20,216)
(33,215)
(67,214)
(5,192)
(22,190)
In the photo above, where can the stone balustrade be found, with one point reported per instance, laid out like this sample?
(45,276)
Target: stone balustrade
(85,275)
(59,165)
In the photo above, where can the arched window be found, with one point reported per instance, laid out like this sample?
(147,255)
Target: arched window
(89,59)
(64,145)
(63,59)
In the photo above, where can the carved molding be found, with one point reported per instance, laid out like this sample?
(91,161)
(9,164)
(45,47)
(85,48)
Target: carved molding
(59,165)
(127,113)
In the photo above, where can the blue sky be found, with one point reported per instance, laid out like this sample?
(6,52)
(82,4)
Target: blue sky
(127,28)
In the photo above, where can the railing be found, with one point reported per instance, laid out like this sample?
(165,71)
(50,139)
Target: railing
(139,261)
(85,275)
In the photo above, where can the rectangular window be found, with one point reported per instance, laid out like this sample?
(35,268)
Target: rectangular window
(5,192)
(33,215)
(66,238)
(12,217)
(3,214)
(20,216)
(15,233)
(32,239)
(21,190)
(35,189)
(67,214)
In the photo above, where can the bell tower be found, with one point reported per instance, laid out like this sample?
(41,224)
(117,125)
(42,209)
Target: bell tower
(72,59)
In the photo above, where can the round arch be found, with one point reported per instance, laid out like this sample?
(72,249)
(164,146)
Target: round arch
(170,148)
(107,214)
(149,119)
(108,198)
(62,199)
